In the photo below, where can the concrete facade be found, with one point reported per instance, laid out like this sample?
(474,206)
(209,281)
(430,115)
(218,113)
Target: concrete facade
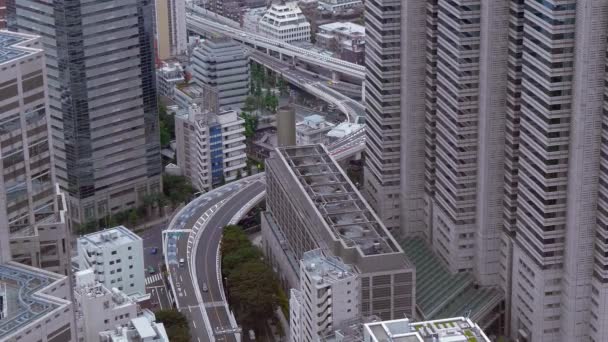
(116,256)
(210,146)
(170,28)
(34,208)
(104,115)
(315,206)
(222,65)
(285,21)
(328,297)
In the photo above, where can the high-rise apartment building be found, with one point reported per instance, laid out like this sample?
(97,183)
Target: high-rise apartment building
(514,97)
(33,206)
(311,204)
(102,99)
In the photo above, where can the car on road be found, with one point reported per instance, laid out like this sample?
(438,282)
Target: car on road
(154,250)
(151,270)
(182,262)
(205,288)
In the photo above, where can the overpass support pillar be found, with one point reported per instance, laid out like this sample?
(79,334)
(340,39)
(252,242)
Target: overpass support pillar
(335,77)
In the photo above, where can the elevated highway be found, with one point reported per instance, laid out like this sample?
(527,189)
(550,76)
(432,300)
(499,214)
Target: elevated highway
(193,236)
(205,22)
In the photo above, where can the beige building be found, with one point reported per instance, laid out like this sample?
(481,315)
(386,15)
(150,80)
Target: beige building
(312,204)
(170,28)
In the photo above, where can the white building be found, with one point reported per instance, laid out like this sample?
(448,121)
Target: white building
(210,146)
(339,5)
(140,329)
(285,22)
(116,256)
(327,299)
(458,329)
(167,77)
(313,130)
(99,308)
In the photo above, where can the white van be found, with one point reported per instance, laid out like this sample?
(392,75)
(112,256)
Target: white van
(182,262)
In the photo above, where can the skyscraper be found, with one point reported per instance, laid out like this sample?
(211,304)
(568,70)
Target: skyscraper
(516,97)
(170,28)
(102,99)
(30,202)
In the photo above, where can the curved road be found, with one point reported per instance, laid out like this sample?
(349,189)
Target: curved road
(194,235)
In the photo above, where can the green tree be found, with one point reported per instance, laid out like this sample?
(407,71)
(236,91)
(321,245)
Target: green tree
(250,104)
(133,217)
(249,288)
(165,135)
(177,189)
(251,124)
(176,325)
(231,260)
(282,85)
(233,238)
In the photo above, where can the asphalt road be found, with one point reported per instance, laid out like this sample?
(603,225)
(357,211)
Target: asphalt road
(155,285)
(206,207)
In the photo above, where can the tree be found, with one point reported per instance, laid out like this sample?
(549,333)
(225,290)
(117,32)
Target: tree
(282,85)
(231,260)
(249,288)
(175,323)
(165,135)
(133,217)
(251,124)
(177,188)
(250,104)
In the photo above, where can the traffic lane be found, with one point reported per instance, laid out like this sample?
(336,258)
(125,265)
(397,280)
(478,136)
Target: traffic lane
(207,271)
(198,331)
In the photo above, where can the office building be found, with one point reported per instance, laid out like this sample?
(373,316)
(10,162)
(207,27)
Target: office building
(34,207)
(168,76)
(346,39)
(327,299)
(102,100)
(170,28)
(116,256)
(36,305)
(313,130)
(210,146)
(285,21)
(99,308)
(443,330)
(311,204)
(221,64)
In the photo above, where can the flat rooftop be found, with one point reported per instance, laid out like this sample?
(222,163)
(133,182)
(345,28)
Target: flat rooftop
(344,27)
(116,236)
(459,329)
(441,293)
(17,45)
(347,216)
(326,269)
(23,288)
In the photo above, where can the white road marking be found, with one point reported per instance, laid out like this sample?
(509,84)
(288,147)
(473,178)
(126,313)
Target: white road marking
(194,323)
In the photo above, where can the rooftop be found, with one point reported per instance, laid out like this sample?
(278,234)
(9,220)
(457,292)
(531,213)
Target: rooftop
(313,123)
(112,237)
(347,216)
(344,28)
(344,129)
(17,45)
(25,300)
(441,293)
(325,269)
(457,329)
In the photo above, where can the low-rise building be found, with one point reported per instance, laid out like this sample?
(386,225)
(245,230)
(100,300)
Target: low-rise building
(205,97)
(116,257)
(167,77)
(327,299)
(210,146)
(341,130)
(285,21)
(458,329)
(140,329)
(33,305)
(313,130)
(99,308)
(339,5)
(345,39)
